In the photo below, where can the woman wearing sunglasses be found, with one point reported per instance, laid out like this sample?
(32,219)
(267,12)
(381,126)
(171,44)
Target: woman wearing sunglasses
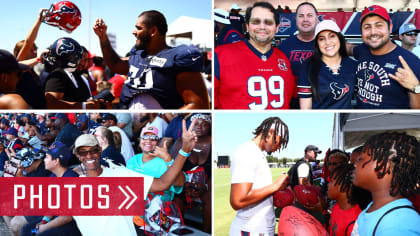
(327,80)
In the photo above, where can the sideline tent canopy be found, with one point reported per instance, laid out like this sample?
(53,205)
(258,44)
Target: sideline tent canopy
(194,29)
(353,129)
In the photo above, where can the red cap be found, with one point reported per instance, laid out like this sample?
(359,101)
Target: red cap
(375,10)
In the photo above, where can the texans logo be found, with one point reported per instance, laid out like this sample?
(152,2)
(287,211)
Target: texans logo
(369,75)
(338,92)
(66,9)
(63,48)
(282,65)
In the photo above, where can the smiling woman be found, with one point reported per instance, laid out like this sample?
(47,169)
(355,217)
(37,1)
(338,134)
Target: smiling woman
(327,80)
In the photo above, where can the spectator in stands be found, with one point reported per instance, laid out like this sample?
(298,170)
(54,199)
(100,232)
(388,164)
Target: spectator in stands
(67,132)
(408,34)
(287,9)
(10,71)
(154,161)
(298,48)
(83,69)
(225,32)
(156,121)
(236,19)
(198,185)
(14,143)
(279,9)
(105,139)
(124,122)
(56,161)
(110,121)
(51,131)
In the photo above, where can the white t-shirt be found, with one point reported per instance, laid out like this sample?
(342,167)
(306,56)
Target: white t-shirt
(249,165)
(112,225)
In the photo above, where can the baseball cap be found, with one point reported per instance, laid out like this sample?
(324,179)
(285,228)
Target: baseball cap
(61,116)
(375,10)
(87,140)
(12,131)
(408,27)
(9,63)
(109,116)
(312,148)
(150,129)
(235,7)
(59,150)
(5,121)
(221,16)
(327,25)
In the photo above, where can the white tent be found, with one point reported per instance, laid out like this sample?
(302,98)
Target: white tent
(353,129)
(194,30)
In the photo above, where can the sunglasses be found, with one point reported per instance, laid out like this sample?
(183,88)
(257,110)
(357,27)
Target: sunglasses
(411,34)
(150,137)
(257,21)
(92,151)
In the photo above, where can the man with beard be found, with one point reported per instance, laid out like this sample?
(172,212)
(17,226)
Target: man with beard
(158,76)
(300,173)
(251,184)
(385,78)
(250,74)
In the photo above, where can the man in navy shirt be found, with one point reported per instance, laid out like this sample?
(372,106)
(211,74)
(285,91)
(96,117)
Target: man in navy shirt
(236,19)
(225,32)
(387,74)
(298,48)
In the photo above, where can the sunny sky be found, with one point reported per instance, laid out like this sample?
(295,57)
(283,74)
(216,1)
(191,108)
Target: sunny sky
(234,128)
(18,17)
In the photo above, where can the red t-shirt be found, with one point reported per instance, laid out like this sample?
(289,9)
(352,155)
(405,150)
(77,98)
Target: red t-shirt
(247,79)
(342,219)
(118,82)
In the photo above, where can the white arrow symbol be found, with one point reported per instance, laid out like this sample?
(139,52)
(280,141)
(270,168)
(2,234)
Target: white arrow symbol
(127,197)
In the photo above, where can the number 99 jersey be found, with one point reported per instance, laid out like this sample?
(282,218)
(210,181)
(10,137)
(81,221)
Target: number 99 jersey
(247,79)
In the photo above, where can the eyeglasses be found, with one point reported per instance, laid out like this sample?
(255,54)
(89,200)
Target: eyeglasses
(92,151)
(257,21)
(150,137)
(411,34)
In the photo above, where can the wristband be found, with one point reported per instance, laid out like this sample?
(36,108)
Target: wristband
(46,219)
(170,163)
(84,105)
(185,154)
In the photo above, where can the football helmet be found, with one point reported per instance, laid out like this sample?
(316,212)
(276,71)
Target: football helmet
(65,15)
(64,53)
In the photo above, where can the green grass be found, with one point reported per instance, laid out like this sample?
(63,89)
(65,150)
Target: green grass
(223,212)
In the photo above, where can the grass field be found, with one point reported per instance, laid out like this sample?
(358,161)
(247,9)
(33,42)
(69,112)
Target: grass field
(223,212)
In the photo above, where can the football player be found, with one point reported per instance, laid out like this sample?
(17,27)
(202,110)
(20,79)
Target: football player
(250,74)
(158,76)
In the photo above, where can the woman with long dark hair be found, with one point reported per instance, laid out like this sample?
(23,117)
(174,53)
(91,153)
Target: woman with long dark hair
(328,78)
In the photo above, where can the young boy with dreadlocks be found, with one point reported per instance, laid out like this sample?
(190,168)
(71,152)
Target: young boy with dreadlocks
(345,210)
(251,184)
(389,168)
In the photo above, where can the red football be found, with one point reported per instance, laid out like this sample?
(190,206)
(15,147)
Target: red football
(306,195)
(294,221)
(283,198)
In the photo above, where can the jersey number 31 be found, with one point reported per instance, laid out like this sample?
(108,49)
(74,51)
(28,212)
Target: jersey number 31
(255,82)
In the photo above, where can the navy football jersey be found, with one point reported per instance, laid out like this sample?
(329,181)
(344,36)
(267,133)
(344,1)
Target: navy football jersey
(335,90)
(375,88)
(156,75)
(296,51)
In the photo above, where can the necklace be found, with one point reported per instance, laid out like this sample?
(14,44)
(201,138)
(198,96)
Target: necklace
(334,69)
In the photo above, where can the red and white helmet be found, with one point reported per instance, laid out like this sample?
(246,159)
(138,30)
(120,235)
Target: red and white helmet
(64,15)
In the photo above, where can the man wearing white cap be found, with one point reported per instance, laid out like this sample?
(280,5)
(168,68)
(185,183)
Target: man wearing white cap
(236,19)
(408,36)
(224,31)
